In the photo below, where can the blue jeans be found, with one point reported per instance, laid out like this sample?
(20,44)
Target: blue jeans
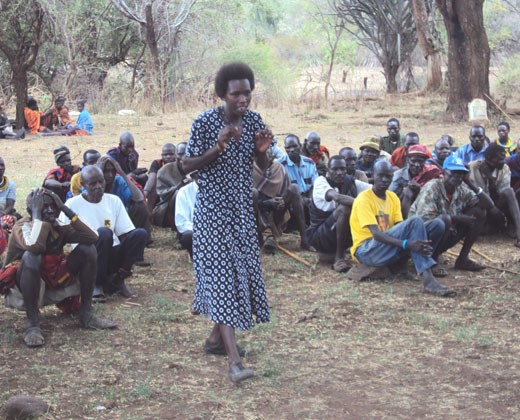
(377,254)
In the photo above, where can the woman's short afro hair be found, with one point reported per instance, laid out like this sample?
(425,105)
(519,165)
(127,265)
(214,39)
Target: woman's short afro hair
(232,71)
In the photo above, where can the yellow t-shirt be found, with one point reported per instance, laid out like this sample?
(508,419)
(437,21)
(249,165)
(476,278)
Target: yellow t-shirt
(75,184)
(368,209)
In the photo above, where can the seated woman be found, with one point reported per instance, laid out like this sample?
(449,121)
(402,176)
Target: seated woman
(84,122)
(33,117)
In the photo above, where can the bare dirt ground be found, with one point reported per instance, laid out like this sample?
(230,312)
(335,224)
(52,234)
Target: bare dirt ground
(334,348)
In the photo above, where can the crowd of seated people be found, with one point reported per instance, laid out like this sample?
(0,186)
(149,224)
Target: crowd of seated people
(390,201)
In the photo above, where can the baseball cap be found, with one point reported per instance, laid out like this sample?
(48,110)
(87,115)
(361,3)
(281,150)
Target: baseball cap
(418,150)
(454,163)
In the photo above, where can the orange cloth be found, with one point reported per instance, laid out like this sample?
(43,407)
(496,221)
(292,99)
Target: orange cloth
(399,157)
(32,119)
(61,116)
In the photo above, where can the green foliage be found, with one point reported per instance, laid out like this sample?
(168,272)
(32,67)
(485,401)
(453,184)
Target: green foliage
(508,80)
(274,78)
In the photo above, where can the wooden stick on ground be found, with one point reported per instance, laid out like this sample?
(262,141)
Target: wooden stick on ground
(293,255)
(501,110)
(453,254)
(476,251)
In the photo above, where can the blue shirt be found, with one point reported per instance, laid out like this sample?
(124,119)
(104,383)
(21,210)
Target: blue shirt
(468,154)
(85,121)
(120,189)
(303,174)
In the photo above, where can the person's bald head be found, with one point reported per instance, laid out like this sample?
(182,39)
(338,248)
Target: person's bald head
(126,143)
(168,153)
(382,165)
(383,174)
(181,150)
(312,142)
(93,181)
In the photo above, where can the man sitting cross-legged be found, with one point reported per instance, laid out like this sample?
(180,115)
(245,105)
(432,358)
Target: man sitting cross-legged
(442,151)
(332,198)
(168,155)
(494,177)
(408,181)
(278,201)
(350,156)
(128,158)
(120,184)
(312,148)
(184,209)
(463,211)
(37,242)
(59,179)
(170,179)
(381,237)
(120,245)
(398,158)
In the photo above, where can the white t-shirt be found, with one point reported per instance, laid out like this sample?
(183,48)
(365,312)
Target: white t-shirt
(184,206)
(109,212)
(320,188)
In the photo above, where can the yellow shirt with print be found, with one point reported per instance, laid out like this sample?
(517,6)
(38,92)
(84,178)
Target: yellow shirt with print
(368,209)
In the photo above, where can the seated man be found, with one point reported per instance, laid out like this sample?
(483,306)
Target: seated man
(332,198)
(513,162)
(128,158)
(90,157)
(120,245)
(381,237)
(462,210)
(394,139)
(56,117)
(312,148)
(278,202)
(184,207)
(58,179)
(37,246)
(407,182)
(504,140)
(494,177)
(350,156)
(476,147)
(301,169)
(368,156)
(181,150)
(7,193)
(441,152)
(150,190)
(170,179)
(398,158)
(6,128)
(118,183)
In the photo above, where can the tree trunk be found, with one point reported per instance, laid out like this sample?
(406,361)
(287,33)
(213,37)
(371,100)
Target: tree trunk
(390,72)
(428,47)
(468,54)
(20,83)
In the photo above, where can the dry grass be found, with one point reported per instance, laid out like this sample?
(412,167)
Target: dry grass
(334,348)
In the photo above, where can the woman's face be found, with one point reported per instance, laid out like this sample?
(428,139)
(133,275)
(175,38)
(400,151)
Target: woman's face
(238,97)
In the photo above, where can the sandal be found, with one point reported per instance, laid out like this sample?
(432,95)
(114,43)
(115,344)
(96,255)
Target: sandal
(341,266)
(438,289)
(468,265)
(220,350)
(32,336)
(439,271)
(238,373)
(94,322)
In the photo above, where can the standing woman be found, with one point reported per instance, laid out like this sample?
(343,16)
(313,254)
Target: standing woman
(229,287)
